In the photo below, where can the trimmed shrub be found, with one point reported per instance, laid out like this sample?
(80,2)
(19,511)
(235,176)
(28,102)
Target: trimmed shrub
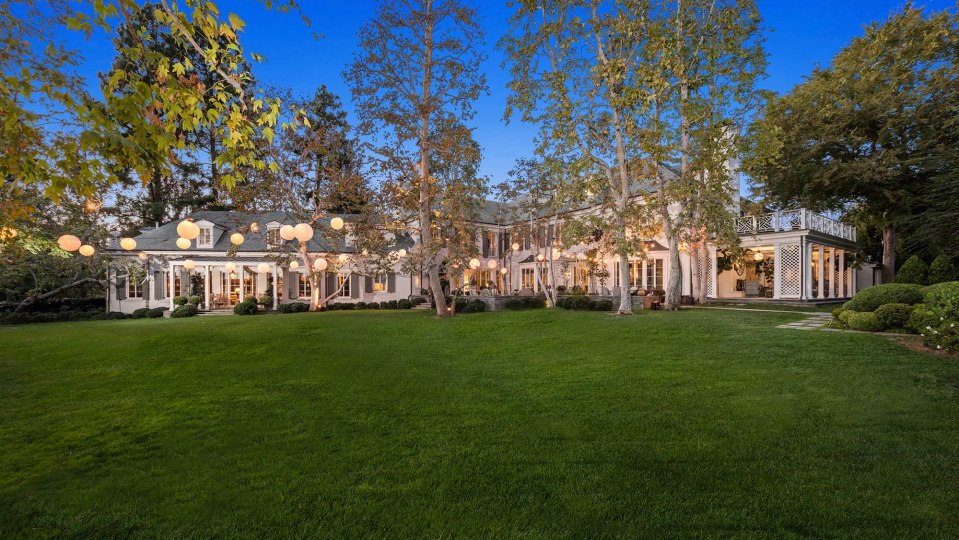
(891,293)
(473,306)
(845,315)
(284,308)
(361,305)
(156,313)
(932,292)
(864,321)
(942,270)
(186,310)
(246,307)
(562,302)
(404,304)
(141,313)
(179,300)
(921,319)
(417,300)
(937,318)
(392,304)
(580,303)
(195,300)
(603,305)
(914,270)
(300,307)
(836,312)
(265,300)
(893,315)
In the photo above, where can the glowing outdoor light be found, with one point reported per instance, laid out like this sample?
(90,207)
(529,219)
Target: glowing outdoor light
(491,264)
(128,244)
(143,256)
(474,263)
(303,232)
(287,232)
(236,239)
(182,243)
(69,242)
(617,258)
(254,227)
(320,264)
(503,271)
(343,257)
(86,250)
(92,205)
(758,257)
(187,229)
(262,268)
(230,266)
(336,223)
(189,264)
(401,252)
(294,265)
(556,253)
(541,257)
(515,246)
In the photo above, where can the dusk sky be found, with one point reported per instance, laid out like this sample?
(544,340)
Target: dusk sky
(803,34)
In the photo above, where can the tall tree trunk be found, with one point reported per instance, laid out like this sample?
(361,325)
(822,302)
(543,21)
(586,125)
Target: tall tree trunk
(625,301)
(888,253)
(694,271)
(674,289)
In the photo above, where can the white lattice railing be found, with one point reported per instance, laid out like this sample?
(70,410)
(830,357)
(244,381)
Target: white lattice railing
(793,220)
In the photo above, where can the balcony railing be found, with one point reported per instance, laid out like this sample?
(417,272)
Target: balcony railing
(794,220)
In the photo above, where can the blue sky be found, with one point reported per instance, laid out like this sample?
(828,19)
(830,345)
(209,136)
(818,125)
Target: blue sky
(803,34)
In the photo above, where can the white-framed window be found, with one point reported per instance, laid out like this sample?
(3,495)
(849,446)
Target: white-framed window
(344,282)
(273,236)
(304,287)
(528,279)
(380,282)
(134,287)
(206,237)
(654,274)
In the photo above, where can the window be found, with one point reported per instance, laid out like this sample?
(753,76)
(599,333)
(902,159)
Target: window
(344,282)
(528,281)
(654,274)
(379,282)
(134,287)
(273,236)
(305,288)
(206,237)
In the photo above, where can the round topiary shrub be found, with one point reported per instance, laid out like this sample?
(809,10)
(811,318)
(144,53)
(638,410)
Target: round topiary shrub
(942,270)
(837,312)
(844,316)
(864,322)
(581,303)
(417,300)
(891,293)
(186,310)
(300,307)
(156,313)
(179,300)
(141,313)
(893,315)
(195,300)
(473,306)
(914,270)
(246,307)
(265,300)
(935,292)
(404,304)
(603,305)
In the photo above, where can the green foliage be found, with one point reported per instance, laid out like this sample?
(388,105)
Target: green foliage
(526,302)
(893,316)
(472,306)
(914,270)
(837,312)
(845,315)
(156,313)
(871,298)
(942,270)
(265,300)
(186,310)
(195,300)
(295,307)
(246,307)
(417,300)
(936,290)
(180,300)
(404,304)
(141,313)
(864,322)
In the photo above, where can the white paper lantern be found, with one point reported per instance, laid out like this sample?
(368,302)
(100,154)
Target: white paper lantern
(187,229)
(581,256)
(262,268)
(182,243)
(86,250)
(189,264)
(303,232)
(474,263)
(236,239)
(143,256)
(515,246)
(294,265)
(128,244)
(320,264)
(343,257)
(287,232)
(503,271)
(69,242)
(491,264)
(556,253)
(230,266)
(401,252)
(541,257)
(336,223)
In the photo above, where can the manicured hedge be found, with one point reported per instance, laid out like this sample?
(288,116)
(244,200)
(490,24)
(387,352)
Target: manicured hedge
(893,316)
(295,307)
(525,302)
(865,321)
(246,307)
(871,298)
(942,270)
(186,310)
(914,270)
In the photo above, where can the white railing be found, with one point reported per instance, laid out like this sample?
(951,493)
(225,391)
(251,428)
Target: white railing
(794,220)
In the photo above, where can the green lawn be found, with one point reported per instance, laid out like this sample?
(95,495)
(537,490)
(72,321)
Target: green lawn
(538,424)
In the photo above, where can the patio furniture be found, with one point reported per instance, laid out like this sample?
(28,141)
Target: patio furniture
(752,288)
(652,301)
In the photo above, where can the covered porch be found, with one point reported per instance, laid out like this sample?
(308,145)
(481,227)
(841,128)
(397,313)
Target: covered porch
(224,282)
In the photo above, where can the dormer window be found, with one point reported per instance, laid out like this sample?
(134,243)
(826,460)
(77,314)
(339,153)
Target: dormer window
(273,236)
(205,240)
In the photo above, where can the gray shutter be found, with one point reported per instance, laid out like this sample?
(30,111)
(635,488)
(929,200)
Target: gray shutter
(158,286)
(330,283)
(391,282)
(292,284)
(121,288)
(354,286)
(368,284)
(485,244)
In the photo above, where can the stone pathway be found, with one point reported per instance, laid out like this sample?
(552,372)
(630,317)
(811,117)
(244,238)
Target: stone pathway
(813,321)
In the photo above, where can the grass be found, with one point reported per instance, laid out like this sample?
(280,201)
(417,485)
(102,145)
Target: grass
(540,424)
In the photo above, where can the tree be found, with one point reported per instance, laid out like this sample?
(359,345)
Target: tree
(858,132)
(414,80)
(914,270)
(942,270)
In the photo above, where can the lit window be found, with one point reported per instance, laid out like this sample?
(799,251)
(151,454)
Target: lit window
(305,287)
(528,281)
(206,237)
(273,236)
(379,282)
(134,288)
(343,282)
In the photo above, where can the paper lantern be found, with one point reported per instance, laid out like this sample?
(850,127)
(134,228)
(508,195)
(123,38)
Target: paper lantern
(336,223)
(236,239)
(581,256)
(515,246)
(343,257)
(758,257)
(556,253)
(254,227)
(474,263)
(541,257)
(230,266)
(182,243)
(262,268)
(143,256)
(189,264)
(69,242)
(303,232)
(294,265)
(491,264)
(287,232)
(503,271)
(320,264)
(401,252)
(128,244)
(86,250)
(187,229)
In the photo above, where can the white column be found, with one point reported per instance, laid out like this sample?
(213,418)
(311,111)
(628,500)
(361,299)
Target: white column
(206,286)
(807,270)
(536,276)
(240,274)
(172,292)
(149,294)
(842,273)
(276,287)
(777,270)
(831,291)
(713,274)
(820,268)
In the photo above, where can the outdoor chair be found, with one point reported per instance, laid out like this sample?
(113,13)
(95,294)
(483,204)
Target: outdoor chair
(752,288)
